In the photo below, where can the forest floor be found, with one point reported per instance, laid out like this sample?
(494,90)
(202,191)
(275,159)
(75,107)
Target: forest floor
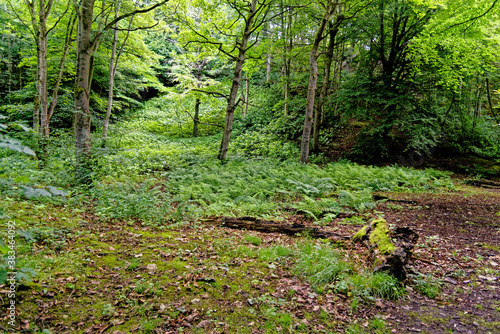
(114,277)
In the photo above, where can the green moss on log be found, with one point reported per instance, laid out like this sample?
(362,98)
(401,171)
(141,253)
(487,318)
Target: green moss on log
(360,234)
(379,236)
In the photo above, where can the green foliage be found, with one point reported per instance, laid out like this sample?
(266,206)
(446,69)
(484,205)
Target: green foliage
(127,200)
(275,253)
(318,208)
(253,239)
(427,285)
(23,274)
(7,141)
(323,265)
(259,144)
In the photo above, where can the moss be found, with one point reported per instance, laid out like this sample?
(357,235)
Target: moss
(110,260)
(360,234)
(380,236)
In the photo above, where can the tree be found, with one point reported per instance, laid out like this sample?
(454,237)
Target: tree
(333,29)
(251,15)
(86,43)
(330,8)
(113,64)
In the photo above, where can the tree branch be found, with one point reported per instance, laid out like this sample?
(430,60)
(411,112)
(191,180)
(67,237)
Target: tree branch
(212,124)
(124,16)
(210,93)
(474,18)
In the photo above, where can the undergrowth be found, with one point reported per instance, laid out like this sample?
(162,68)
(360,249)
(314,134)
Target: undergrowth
(325,267)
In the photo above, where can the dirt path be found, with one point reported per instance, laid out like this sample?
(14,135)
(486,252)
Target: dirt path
(460,247)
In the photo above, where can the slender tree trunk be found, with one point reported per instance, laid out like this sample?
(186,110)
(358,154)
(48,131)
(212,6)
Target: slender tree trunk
(196,118)
(231,104)
(42,74)
(36,35)
(82,92)
(326,84)
(85,48)
(9,69)
(67,43)
(111,82)
(492,109)
(247,93)
(313,78)
(287,60)
(113,64)
(268,68)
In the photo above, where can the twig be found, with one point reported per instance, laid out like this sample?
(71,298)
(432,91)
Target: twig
(423,260)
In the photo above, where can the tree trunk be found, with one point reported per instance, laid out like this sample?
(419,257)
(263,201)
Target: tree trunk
(268,68)
(247,93)
(85,48)
(266,226)
(42,72)
(82,92)
(67,43)
(112,71)
(326,83)
(313,78)
(492,109)
(196,118)
(231,103)
(286,59)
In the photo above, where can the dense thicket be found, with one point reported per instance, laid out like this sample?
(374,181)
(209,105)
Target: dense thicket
(397,79)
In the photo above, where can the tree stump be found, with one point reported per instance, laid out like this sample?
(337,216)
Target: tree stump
(389,250)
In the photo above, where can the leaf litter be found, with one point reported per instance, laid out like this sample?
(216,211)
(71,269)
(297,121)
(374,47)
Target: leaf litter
(202,278)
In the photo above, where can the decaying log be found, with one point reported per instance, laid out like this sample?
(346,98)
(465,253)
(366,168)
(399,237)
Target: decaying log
(389,250)
(484,183)
(266,226)
(377,197)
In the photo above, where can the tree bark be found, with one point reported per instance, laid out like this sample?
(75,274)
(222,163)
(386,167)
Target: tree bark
(196,118)
(247,93)
(313,78)
(333,29)
(231,104)
(268,68)
(82,92)
(42,67)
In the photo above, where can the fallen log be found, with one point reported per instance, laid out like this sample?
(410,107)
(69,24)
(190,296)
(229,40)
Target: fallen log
(484,183)
(267,226)
(390,250)
(377,197)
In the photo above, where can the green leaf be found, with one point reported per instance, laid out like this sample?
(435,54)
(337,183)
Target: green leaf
(30,192)
(20,276)
(28,235)
(22,179)
(24,127)
(57,192)
(3,274)
(42,192)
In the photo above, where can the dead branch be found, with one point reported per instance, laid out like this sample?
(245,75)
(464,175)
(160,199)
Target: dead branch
(266,226)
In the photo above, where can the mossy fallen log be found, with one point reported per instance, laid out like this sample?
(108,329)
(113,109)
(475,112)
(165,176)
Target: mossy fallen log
(269,226)
(390,250)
